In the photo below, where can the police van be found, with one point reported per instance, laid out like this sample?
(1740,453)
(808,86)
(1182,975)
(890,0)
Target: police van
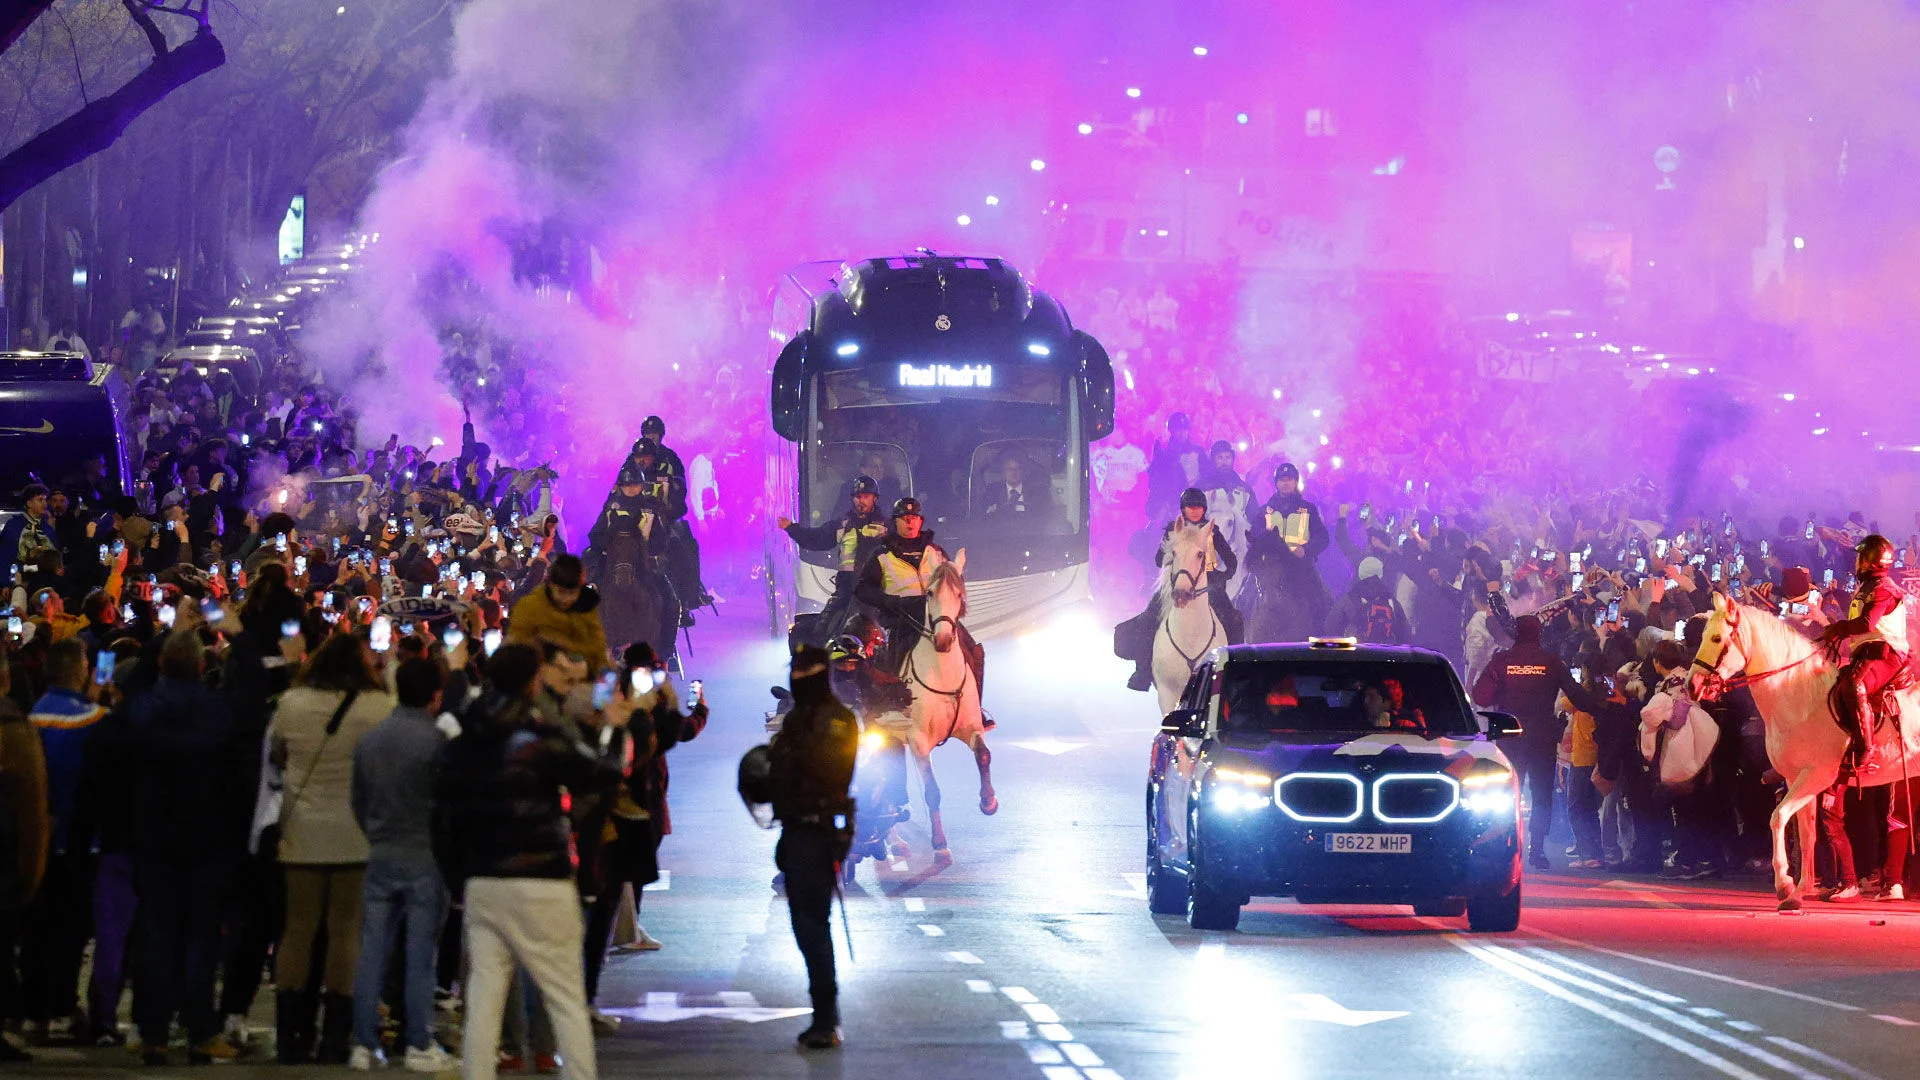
(57,412)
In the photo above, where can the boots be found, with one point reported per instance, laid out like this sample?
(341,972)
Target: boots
(1857,720)
(293,1016)
(336,1030)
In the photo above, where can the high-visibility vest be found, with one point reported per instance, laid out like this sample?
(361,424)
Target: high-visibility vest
(1892,627)
(850,543)
(902,578)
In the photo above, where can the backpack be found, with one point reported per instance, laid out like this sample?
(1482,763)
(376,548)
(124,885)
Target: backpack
(1377,621)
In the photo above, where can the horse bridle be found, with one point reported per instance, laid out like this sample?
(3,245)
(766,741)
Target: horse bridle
(1198,590)
(1713,684)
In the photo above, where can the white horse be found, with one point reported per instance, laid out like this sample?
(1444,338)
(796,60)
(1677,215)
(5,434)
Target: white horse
(1790,678)
(946,697)
(1188,627)
(1227,509)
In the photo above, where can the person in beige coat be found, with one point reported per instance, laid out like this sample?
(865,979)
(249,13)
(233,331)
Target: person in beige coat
(337,697)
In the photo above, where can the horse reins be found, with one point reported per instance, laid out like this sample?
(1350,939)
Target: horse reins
(1743,679)
(1167,626)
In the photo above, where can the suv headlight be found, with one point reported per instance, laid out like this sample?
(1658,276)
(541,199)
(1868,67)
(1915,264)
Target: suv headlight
(1239,789)
(1487,789)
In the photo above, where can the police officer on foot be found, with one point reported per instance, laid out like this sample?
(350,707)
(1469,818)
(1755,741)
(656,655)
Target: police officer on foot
(810,769)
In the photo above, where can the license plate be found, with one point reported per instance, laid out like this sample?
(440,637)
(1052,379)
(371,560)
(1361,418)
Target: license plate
(1370,843)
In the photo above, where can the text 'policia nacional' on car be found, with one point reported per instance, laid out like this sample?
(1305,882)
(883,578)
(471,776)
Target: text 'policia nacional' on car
(1333,773)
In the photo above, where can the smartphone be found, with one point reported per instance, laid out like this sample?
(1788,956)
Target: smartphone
(1715,575)
(299,566)
(409,528)
(1740,563)
(426,590)
(119,548)
(386,567)
(1613,611)
(1799,609)
(1579,674)
(1403,538)
(1827,578)
(246,439)
(493,534)
(1366,512)
(453,636)
(105,557)
(1579,582)
(1639,566)
(1660,548)
(211,610)
(233,569)
(1680,630)
(697,686)
(164,613)
(603,690)
(336,545)
(1809,533)
(1533,554)
(381,637)
(126,613)
(366,603)
(1573,560)
(406,629)
(514,519)
(479,579)
(490,641)
(290,628)
(15,627)
(280,542)
(393,522)
(1764,549)
(103,668)
(326,600)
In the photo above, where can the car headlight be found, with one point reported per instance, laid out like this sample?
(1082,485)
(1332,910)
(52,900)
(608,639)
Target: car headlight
(1487,789)
(1232,798)
(1241,776)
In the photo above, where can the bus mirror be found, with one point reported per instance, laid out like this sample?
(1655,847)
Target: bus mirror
(789,383)
(1096,384)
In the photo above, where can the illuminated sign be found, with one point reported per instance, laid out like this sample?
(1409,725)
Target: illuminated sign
(961,376)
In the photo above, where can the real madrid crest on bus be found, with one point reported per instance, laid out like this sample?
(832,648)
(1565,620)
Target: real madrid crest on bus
(943,323)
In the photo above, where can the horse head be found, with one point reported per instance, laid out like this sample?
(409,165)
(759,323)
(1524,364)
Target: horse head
(947,600)
(1722,654)
(1184,570)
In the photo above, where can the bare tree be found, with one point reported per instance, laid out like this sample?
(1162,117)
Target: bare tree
(98,123)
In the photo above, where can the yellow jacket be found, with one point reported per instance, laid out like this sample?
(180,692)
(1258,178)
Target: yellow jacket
(535,619)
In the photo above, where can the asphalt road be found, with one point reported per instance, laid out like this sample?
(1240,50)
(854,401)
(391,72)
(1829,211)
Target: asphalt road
(1034,956)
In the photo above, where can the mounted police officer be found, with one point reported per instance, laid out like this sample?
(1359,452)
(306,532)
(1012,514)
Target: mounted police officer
(810,768)
(854,539)
(893,582)
(1133,639)
(627,545)
(1876,628)
(656,429)
(666,482)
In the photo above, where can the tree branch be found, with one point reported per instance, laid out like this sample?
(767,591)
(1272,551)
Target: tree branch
(100,123)
(138,14)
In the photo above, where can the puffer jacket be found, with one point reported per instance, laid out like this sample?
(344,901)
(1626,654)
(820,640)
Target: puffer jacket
(535,619)
(316,818)
(498,808)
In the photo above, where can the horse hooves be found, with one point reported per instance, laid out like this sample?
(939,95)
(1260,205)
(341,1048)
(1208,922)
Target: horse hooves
(1782,892)
(989,804)
(942,857)
(1789,903)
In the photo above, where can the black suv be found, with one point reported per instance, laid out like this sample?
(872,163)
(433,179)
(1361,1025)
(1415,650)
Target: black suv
(1334,773)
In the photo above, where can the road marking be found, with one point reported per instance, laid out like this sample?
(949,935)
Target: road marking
(1747,1026)
(1019,994)
(1136,885)
(1060,1072)
(1014,1029)
(1049,747)
(980,986)
(1637,890)
(915,904)
(1054,1033)
(1828,1060)
(1322,1008)
(932,931)
(1900,1021)
(1081,1054)
(663,884)
(1044,1054)
(1627,984)
(964,958)
(1711,1014)
(1102,1074)
(665,1008)
(1041,1014)
(1714,975)
(1547,986)
(1677,1019)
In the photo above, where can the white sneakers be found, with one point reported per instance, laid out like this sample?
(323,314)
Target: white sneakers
(361,1059)
(1896,891)
(434,1059)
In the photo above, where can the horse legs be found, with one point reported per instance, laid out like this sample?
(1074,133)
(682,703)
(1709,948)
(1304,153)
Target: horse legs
(1801,791)
(983,757)
(931,792)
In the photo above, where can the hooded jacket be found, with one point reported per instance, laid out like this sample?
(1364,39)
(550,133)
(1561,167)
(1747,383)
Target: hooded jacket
(813,755)
(536,618)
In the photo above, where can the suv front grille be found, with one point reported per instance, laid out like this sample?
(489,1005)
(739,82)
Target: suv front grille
(1326,798)
(1414,799)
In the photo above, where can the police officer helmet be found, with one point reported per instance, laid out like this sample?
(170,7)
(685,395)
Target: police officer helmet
(646,448)
(906,506)
(630,476)
(1286,471)
(653,428)
(755,781)
(865,485)
(862,627)
(847,647)
(1873,556)
(1193,497)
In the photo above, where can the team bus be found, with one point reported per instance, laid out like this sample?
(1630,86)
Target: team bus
(946,378)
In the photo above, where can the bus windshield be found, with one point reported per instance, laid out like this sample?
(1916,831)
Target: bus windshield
(989,450)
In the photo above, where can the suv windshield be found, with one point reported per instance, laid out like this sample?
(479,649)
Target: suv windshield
(1308,697)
